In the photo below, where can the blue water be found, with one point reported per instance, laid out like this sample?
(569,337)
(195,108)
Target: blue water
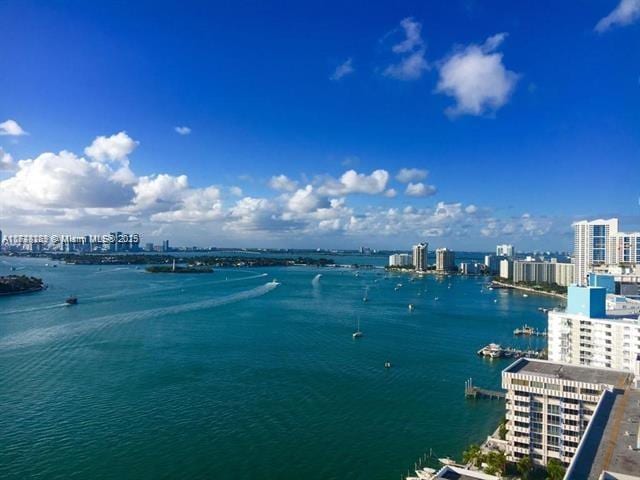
(232,375)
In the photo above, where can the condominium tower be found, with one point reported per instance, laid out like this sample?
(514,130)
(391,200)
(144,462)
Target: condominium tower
(588,333)
(505,250)
(420,252)
(549,407)
(445,260)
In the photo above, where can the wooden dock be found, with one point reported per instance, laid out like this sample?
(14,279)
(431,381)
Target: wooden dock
(471,391)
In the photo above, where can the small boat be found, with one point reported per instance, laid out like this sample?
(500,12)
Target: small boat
(387,364)
(358,333)
(411,307)
(71,300)
(437,298)
(525,295)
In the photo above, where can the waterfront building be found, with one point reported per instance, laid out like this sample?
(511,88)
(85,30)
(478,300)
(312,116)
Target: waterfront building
(595,330)
(149,247)
(492,262)
(599,245)
(564,273)
(610,449)
(420,252)
(549,406)
(471,268)
(165,245)
(543,272)
(505,251)
(400,260)
(445,260)
(506,269)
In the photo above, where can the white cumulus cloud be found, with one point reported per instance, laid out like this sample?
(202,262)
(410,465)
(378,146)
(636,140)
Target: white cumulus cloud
(354,182)
(420,190)
(11,128)
(283,183)
(627,12)
(114,148)
(476,78)
(6,161)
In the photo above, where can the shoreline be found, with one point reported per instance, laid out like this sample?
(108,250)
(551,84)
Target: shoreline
(529,289)
(30,290)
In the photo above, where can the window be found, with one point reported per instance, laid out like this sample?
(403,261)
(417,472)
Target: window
(554,409)
(589,391)
(569,389)
(519,381)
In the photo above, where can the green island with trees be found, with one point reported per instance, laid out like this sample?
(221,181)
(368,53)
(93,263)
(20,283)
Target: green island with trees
(15,284)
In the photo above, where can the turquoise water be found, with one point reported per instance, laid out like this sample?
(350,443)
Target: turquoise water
(230,375)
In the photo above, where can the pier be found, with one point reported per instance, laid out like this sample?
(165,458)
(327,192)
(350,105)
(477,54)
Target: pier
(471,391)
(494,350)
(528,331)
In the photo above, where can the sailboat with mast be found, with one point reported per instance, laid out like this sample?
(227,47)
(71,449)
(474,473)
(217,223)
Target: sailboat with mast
(358,333)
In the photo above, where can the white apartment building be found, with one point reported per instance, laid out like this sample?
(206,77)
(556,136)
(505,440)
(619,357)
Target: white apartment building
(589,333)
(625,248)
(543,272)
(445,260)
(420,252)
(400,260)
(598,243)
(505,250)
(506,269)
(549,406)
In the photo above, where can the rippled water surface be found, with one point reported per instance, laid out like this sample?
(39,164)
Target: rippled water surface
(245,374)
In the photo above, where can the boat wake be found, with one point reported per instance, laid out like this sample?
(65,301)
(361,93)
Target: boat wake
(39,336)
(316,280)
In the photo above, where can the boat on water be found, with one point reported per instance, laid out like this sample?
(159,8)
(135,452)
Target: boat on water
(387,364)
(411,307)
(358,333)
(525,295)
(493,350)
(71,300)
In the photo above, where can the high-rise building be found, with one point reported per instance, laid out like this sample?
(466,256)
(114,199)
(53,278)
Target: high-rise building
(445,260)
(591,246)
(506,269)
(505,250)
(149,247)
(543,272)
(400,260)
(589,333)
(420,252)
(165,245)
(550,405)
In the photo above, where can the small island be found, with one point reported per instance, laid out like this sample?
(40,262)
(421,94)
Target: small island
(16,284)
(179,269)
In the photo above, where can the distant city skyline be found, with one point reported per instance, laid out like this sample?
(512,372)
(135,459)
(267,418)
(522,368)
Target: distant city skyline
(457,123)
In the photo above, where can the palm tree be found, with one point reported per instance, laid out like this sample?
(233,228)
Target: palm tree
(472,455)
(524,467)
(555,470)
(496,463)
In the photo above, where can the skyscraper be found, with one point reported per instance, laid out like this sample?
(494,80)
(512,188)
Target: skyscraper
(591,246)
(445,260)
(505,250)
(420,252)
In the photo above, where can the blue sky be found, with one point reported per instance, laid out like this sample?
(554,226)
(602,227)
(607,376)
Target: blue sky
(526,116)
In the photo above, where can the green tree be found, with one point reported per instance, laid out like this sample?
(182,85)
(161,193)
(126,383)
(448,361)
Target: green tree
(502,432)
(525,465)
(496,463)
(472,455)
(555,470)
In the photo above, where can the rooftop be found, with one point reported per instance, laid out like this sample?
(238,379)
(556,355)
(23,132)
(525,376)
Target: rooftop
(616,378)
(611,442)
